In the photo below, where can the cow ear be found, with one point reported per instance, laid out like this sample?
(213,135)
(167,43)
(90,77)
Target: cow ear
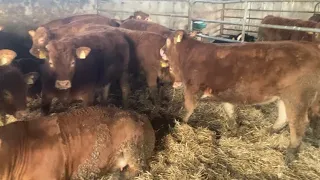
(138,17)
(31,78)
(31,33)
(6,56)
(178,36)
(82,52)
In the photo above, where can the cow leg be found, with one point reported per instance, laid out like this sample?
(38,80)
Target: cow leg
(189,103)
(45,103)
(297,111)
(282,119)
(153,89)
(229,109)
(125,89)
(314,117)
(105,93)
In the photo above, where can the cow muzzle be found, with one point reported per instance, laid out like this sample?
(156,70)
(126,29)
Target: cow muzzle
(63,84)
(163,55)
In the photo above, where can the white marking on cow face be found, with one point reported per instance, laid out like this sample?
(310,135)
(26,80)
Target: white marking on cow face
(239,37)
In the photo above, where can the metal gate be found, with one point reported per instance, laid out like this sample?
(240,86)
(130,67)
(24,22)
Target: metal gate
(246,17)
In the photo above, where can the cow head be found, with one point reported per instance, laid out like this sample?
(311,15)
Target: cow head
(40,39)
(168,51)
(13,88)
(141,15)
(62,57)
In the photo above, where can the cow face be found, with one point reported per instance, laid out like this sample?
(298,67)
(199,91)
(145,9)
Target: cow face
(169,50)
(13,88)
(40,39)
(62,57)
(141,15)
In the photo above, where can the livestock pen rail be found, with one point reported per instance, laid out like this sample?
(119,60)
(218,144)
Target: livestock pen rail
(222,17)
(253,11)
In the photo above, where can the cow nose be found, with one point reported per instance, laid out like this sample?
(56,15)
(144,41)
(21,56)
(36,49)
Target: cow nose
(63,84)
(21,114)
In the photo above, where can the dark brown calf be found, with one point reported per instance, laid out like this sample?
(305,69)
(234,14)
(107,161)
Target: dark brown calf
(13,86)
(81,144)
(141,25)
(82,62)
(250,73)
(42,35)
(269,34)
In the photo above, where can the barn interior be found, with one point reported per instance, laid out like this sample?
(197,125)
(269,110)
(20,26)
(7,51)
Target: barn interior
(206,147)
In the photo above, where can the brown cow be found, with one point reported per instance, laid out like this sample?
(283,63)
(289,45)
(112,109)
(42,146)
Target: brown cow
(58,22)
(80,63)
(43,34)
(315,17)
(140,25)
(13,86)
(269,34)
(81,144)
(144,53)
(250,73)
(139,15)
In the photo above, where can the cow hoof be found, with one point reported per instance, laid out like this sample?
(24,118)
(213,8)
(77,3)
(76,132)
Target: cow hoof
(291,155)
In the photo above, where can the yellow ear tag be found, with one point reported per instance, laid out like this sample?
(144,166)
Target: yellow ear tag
(82,55)
(4,60)
(42,55)
(164,64)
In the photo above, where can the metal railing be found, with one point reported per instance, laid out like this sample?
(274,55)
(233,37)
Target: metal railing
(244,18)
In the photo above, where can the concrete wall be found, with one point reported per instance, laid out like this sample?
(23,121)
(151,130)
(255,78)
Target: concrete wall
(174,13)
(21,15)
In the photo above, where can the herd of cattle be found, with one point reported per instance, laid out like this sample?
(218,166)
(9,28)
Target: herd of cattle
(78,58)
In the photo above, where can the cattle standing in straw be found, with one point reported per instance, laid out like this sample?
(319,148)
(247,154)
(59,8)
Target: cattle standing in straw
(140,25)
(250,73)
(81,144)
(144,48)
(270,34)
(82,62)
(13,86)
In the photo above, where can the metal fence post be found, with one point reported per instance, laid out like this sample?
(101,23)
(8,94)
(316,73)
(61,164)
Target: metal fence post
(244,20)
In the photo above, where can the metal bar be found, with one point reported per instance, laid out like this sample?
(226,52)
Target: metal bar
(244,21)
(237,17)
(222,18)
(265,10)
(295,28)
(216,38)
(106,1)
(129,12)
(239,30)
(315,7)
(255,1)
